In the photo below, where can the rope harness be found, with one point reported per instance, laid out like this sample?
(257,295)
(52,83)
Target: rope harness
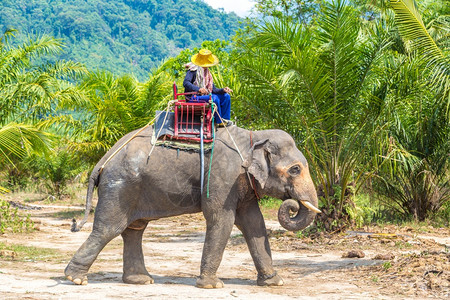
(134,135)
(250,178)
(252,182)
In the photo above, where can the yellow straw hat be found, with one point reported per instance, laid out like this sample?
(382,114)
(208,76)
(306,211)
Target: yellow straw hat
(204,58)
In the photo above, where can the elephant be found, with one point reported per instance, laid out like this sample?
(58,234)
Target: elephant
(135,188)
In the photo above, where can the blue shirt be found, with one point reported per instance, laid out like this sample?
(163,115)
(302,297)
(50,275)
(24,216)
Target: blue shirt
(189,85)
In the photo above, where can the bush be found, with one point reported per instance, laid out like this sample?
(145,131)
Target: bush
(17,178)
(57,169)
(10,219)
(442,217)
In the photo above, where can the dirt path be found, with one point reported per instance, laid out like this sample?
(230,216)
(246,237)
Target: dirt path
(173,247)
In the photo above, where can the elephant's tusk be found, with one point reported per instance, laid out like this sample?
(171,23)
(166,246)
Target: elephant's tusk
(310,206)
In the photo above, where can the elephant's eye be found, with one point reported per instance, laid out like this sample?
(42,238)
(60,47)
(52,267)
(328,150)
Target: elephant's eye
(295,170)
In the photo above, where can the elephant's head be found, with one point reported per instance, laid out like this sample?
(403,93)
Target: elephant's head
(282,171)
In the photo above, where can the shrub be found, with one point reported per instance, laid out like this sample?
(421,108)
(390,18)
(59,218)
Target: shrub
(10,219)
(57,169)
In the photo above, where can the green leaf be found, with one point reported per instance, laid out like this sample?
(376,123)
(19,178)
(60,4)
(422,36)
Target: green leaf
(412,28)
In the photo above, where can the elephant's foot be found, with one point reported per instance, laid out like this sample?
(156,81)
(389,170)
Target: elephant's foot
(270,280)
(78,281)
(75,275)
(138,278)
(211,282)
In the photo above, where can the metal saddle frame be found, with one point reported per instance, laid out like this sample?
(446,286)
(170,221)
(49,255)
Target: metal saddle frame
(190,116)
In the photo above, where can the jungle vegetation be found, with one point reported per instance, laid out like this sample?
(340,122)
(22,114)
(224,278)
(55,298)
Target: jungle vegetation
(364,89)
(121,36)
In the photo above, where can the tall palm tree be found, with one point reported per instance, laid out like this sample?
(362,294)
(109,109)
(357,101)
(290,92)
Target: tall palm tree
(29,92)
(320,84)
(111,106)
(416,177)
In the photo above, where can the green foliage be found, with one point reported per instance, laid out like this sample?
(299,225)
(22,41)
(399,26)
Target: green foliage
(57,169)
(436,63)
(364,92)
(296,10)
(387,265)
(370,210)
(412,28)
(317,84)
(441,218)
(414,187)
(112,107)
(16,140)
(376,209)
(360,101)
(17,176)
(30,88)
(414,176)
(270,203)
(10,220)
(120,36)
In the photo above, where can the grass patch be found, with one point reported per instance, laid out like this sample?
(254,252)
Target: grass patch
(371,210)
(75,196)
(29,253)
(270,203)
(442,217)
(269,207)
(69,214)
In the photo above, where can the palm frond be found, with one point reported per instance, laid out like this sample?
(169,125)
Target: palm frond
(64,69)
(281,36)
(4,40)
(41,45)
(3,190)
(30,89)
(16,140)
(412,28)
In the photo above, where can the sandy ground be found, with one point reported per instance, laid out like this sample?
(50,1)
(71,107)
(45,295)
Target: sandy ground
(173,246)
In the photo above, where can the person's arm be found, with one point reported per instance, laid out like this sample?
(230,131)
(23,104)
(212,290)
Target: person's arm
(217,91)
(221,91)
(188,82)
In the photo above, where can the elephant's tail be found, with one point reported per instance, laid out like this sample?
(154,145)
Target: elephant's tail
(93,182)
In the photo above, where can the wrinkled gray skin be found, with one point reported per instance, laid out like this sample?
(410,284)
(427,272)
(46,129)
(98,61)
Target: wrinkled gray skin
(133,191)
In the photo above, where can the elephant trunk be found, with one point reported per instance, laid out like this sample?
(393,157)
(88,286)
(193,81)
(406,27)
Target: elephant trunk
(303,215)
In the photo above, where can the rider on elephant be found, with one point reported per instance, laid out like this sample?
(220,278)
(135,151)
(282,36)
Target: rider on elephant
(199,79)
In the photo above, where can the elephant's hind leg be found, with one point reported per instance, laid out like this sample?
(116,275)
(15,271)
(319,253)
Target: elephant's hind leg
(134,271)
(78,267)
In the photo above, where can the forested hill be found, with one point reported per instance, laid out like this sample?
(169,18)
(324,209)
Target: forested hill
(123,36)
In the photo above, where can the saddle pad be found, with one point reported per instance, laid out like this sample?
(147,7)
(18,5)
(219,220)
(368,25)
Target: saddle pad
(164,126)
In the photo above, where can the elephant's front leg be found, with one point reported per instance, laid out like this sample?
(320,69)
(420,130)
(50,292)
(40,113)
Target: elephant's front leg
(134,270)
(251,222)
(218,229)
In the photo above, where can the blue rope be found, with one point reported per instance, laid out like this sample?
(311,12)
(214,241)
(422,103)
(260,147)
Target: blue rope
(202,157)
(212,150)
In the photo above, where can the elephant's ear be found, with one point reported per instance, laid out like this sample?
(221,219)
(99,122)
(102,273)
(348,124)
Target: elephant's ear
(257,163)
